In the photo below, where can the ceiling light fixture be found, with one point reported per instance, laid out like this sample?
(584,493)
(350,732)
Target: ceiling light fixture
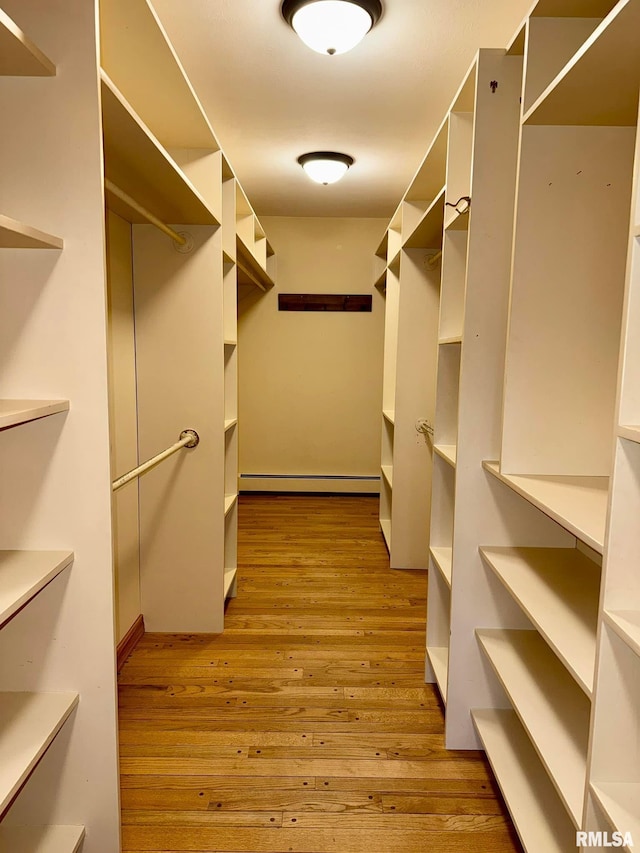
(331,26)
(325,167)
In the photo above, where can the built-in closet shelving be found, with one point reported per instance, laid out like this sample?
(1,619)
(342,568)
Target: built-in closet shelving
(58,755)
(161,154)
(533,628)
(72,419)
(407,272)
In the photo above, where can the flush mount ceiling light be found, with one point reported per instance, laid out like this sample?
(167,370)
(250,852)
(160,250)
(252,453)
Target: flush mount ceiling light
(331,26)
(325,167)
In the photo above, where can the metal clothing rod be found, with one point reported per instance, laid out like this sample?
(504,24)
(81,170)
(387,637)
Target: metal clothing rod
(188,438)
(123,196)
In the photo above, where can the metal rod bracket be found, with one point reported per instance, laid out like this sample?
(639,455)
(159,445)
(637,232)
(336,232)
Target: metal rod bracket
(195,438)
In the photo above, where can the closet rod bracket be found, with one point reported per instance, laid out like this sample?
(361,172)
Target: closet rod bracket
(192,435)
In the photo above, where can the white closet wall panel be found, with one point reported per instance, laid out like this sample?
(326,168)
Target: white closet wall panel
(179,364)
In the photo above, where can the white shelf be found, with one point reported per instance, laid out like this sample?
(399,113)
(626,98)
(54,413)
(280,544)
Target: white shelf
(577,503)
(599,85)
(24,573)
(41,839)
(138,164)
(385,526)
(619,801)
(229,577)
(387,471)
(428,232)
(454,339)
(229,343)
(632,433)
(449,452)
(229,501)
(389,415)
(250,270)
(626,624)
(539,817)
(554,712)
(28,724)
(439,657)
(19,56)
(18,235)
(457,221)
(558,589)
(229,423)
(14,412)
(443,558)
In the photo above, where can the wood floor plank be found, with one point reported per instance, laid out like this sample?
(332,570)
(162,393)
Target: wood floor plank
(307,726)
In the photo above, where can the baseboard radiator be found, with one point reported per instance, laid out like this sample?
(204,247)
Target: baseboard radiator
(320,483)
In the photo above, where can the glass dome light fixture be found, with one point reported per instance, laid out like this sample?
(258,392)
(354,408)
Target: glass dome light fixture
(325,167)
(331,26)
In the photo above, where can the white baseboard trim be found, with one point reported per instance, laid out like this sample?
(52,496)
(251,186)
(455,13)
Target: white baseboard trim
(309,483)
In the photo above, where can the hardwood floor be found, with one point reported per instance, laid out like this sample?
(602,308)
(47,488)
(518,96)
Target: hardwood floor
(307,725)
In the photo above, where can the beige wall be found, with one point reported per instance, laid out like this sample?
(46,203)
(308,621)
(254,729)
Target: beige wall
(123,421)
(310,384)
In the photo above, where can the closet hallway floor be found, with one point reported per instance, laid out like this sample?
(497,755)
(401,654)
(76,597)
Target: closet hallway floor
(306,726)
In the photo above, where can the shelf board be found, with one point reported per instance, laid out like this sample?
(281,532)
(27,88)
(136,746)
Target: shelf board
(579,504)
(138,164)
(454,339)
(15,412)
(230,423)
(229,577)
(394,263)
(632,433)
(558,589)
(443,559)
(381,281)
(385,527)
(449,452)
(229,503)
(538,815)
(553,711)
(387,471)
(17,235)
(599,85)
(431,173)
(439,657)
(41,839)
(132,37)
(389,415)
(24,573)
(619,801)
(457,221)
(230,343)
(626,624)
(249,269)
(28,724)
(19,56)
(428,232)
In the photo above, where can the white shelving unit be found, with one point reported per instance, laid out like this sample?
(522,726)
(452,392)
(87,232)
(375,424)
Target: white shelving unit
(533,625)
(58,749)
(405,271)
(162,152)
(613,798)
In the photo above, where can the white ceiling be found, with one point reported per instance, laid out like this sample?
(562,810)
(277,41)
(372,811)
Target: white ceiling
(270,98)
